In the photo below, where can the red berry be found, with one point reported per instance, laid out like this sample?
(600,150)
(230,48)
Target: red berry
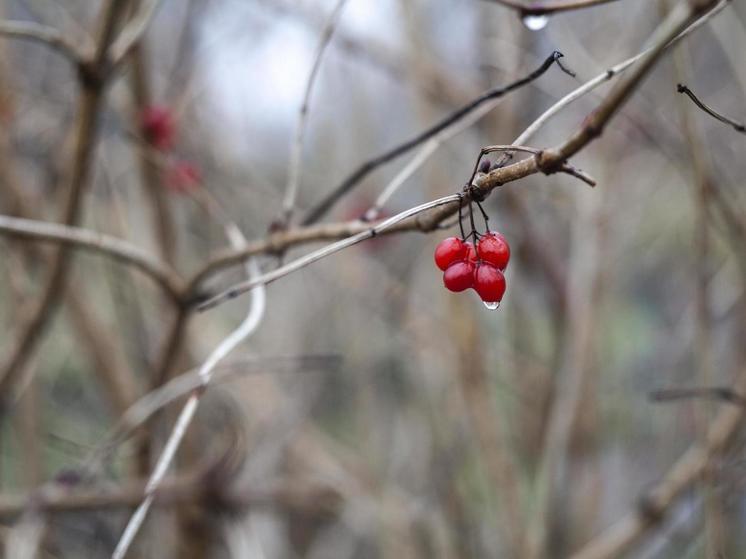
(489,283)
(448,251)
(158,126)
(183,177)
(471,253)
(493,248)
(459,276)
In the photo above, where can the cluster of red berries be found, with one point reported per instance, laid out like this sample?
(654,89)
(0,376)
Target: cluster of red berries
(159,130)
(478,265)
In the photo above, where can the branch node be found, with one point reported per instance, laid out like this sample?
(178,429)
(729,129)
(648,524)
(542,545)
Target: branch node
(548,161)
(91,75)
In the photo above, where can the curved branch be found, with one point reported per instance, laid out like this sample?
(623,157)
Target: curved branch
(44,34)
(115,248)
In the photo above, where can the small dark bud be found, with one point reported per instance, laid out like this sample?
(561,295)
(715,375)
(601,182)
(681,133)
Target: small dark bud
(485,166)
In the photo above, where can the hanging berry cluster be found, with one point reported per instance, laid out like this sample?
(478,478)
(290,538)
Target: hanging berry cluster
(475,261)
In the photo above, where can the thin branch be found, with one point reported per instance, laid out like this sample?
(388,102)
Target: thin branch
(173,492)
(737,126)
(244,330)
(112,247)
(44,34)
(366,168)
(304,261)
(719,393)
(133,31)
(549,7)
(296,152)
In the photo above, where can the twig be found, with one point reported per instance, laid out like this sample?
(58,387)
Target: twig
(133,31)
(737,126)
(244,330)
(173,492)
(721,393)
(304,261)
(549,7)
(109,246)
(296,152)
(363,170)
(47,35)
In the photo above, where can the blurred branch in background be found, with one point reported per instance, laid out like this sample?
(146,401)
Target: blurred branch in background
(48,35)
(296,150)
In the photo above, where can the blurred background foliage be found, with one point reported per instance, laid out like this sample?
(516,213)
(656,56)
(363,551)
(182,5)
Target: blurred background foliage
(425,395)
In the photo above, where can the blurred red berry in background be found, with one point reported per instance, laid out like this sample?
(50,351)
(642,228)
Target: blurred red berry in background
(158,126)
(183,177)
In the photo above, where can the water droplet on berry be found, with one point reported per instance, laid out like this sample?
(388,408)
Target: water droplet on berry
(492,306)
(535,23)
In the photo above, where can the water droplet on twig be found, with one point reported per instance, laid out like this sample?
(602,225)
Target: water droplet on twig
(535,23)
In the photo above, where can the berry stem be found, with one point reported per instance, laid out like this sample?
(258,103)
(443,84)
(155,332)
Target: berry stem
(471,221)
(484,216)
(461,217)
